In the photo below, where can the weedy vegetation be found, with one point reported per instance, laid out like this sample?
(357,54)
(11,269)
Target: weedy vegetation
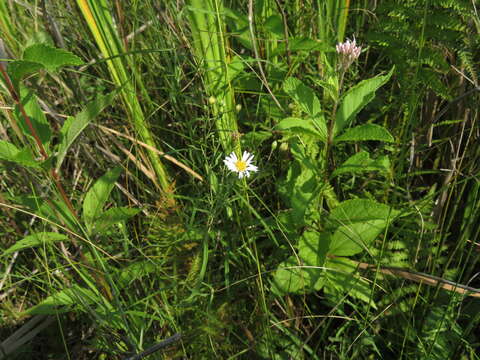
(209,179)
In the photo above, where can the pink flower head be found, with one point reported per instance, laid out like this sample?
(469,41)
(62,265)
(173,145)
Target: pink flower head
(349,52)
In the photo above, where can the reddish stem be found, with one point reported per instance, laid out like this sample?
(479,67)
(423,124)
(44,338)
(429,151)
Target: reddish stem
(41,149)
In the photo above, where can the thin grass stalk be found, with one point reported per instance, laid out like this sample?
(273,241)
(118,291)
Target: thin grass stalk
(7,30)
(209,38)
(342,20)
(101,25)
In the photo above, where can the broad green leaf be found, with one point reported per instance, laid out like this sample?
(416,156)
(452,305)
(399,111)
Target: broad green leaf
(253,139)
(299,189)
(357,210)
(113,216)
(97,196)
(290,277)
(302,44)
(340,280)
(18,69)
(352,239)
(64,301)
(238,24)
(356,224)
(73,127)
(314,127)
(303,96)
(364,133)
(10,152)
(7,150)
(274,25)
(234,68)
(361,162)
(304,273)
(356,98)
(34,240)
(37,117)
(51,58)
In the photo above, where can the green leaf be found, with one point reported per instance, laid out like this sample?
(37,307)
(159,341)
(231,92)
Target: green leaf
(63,301)
(18,69)
(356,98)
(73,127)
(313,127)
(51,58)
(366,132)
(340,280)
(10,152)
(253,139)
(34,240)
(303,96)
(302,44)
(235,67)
(356,224)
(289,277)
(37,117)
(113,216)
(274,25)
(304,273)
(361,162)
(352,239)
(97,196)
(299,189)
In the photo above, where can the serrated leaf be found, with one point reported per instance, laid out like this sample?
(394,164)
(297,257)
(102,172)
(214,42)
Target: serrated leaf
(356,98)
(352,239)
(303,96)
(34,240)
(365,132)
(19,69)
(362,162)
(299,189)
(51,58)
(10,152)
(356,210)
(304,273)
(356,223)
(37,117)
(63,301)
(289,278)
(313,127)
(340,280)
(98,195)
(73,126)
(113,216)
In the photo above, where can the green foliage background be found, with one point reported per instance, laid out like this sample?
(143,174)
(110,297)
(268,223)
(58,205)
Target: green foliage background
(121,226)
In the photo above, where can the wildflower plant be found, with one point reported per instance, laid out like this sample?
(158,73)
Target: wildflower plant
(243,166)
(348,52)
(309,186)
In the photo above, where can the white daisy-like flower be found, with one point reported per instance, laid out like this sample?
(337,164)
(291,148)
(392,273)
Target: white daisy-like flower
(241,166)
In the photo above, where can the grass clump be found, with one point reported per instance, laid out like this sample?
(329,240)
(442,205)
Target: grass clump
(126,236)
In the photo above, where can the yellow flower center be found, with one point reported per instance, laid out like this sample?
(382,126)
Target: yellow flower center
(241,165)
